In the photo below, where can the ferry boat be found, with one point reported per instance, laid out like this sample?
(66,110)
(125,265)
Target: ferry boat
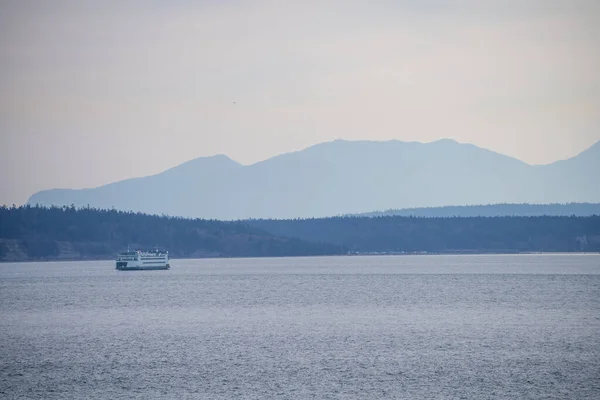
(143,260)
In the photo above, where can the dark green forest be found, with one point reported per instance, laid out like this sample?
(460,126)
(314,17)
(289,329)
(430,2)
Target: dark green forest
(29,232)
(447,235)
(38,233)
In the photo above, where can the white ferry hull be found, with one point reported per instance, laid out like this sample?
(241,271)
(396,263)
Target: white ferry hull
(143,260)
(143,268)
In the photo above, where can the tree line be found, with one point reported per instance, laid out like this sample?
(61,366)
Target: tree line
(494,210)
(449,234)
(31,232)
(49,232)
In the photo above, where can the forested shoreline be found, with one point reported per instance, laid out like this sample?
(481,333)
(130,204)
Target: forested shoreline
(393,234)
(69,233)
(40,233)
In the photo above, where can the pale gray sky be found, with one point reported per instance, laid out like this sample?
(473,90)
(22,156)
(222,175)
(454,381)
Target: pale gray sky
(97,91)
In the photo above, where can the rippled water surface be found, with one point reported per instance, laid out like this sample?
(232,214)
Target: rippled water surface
(407,327)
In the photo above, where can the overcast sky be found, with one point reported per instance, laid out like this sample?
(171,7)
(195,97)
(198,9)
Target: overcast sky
(97,91)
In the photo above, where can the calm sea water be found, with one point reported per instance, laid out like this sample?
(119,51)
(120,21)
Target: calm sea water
(409,327)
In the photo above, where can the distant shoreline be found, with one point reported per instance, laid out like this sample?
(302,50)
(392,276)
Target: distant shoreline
(40,234)
(549,253)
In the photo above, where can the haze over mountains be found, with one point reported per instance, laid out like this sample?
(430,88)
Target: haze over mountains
(344,177)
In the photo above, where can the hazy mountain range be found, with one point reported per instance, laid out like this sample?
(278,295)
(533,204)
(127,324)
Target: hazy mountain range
(344,177)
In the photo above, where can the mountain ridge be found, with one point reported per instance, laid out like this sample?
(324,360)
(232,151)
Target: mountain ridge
(343,177)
